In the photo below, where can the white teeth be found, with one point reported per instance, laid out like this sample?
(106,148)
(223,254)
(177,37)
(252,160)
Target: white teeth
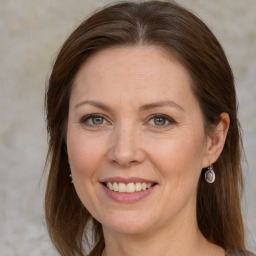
(138,186)
(128,188)
(115,186)
(122,187)
(110,186)
(149,185)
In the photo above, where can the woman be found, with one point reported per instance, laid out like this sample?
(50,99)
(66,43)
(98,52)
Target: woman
(144,141)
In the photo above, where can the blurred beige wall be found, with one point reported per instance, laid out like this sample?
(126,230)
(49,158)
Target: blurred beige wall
(31,33)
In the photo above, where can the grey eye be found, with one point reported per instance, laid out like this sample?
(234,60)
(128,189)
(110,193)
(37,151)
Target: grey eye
(97,120)
(94,119)
(159,121)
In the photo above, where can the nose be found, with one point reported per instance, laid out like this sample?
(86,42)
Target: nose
(126,147)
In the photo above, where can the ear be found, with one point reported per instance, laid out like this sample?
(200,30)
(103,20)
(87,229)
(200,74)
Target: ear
(216,141)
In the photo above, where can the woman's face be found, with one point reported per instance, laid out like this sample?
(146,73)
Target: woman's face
(136,140)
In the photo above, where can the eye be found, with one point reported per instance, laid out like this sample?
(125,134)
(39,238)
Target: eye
(160,120)
(94,120)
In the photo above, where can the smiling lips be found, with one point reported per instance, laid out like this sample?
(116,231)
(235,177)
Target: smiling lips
(128,188)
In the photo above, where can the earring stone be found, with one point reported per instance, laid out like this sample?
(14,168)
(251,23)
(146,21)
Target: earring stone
(210,174)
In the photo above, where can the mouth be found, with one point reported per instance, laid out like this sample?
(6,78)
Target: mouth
(128,190)
(130,187)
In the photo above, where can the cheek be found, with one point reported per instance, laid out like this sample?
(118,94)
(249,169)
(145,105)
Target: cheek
(85,158)
(179,160)
(180,172)
(84,154)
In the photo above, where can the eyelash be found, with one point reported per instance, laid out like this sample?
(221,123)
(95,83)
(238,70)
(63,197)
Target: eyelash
(91,116)
(170,121)
(161,116)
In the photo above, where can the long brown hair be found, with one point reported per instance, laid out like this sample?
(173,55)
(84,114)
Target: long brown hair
(182,35)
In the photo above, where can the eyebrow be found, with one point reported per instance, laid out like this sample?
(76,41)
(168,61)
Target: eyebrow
(94,103)
(161,104)
(142,108)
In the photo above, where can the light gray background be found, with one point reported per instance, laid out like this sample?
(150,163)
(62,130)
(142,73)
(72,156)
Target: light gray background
(31,32)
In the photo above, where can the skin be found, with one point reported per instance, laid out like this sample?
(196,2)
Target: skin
(127,141)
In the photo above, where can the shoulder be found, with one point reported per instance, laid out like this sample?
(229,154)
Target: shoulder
(240,253)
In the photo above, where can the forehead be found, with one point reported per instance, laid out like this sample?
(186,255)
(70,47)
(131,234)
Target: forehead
(130,68)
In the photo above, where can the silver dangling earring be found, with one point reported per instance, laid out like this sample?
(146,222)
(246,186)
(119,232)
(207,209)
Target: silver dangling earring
(210,174)
(70,174)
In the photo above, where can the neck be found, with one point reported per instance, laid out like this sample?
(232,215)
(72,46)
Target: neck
(181,238)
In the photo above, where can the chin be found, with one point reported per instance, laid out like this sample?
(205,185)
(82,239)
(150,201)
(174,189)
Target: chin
(129,223)
(128,228)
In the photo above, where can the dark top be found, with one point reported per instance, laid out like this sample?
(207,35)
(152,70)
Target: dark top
(240,253)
